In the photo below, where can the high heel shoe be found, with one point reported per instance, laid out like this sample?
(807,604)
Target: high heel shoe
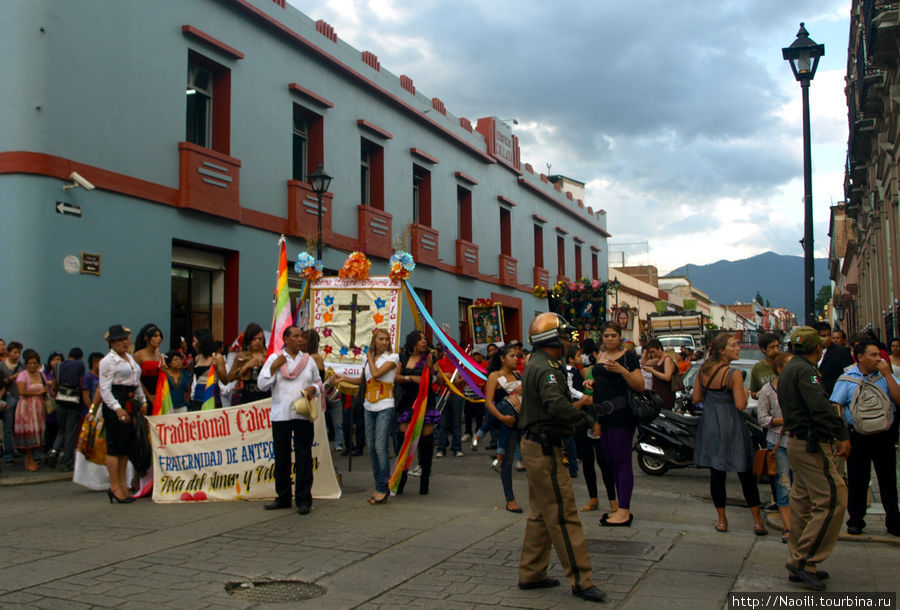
(373,500)
(112,496)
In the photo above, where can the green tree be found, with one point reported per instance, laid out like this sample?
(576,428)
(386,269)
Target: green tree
(759,298)
(823,298)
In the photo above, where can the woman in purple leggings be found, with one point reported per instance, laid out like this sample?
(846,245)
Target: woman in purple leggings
(616,370)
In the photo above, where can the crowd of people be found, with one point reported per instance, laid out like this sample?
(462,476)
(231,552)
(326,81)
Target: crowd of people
(43,404)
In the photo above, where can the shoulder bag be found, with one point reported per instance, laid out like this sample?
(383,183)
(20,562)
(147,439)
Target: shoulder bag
(645,406)
(49,401)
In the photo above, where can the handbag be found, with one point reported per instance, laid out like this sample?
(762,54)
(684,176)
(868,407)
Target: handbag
(645,406)
(677,381)
(764,463)
(92,440)
(49,402)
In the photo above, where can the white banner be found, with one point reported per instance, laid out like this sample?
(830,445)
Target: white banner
(222,455)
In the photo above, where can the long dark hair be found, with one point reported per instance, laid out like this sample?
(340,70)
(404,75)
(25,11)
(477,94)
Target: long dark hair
(496,362)
(312,340)
(251,331)
(409,344)
(714,353)
(143,336)
(206,345)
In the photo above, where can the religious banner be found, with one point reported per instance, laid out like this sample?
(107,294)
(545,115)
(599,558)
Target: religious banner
(486,323)
(345,312)
(222,455)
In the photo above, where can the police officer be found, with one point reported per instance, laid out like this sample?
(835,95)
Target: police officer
(548,416)
(817,435)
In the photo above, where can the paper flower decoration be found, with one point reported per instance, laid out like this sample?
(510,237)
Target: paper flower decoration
(401,263)
(356,267)
(483,303)
(308,267)
(539,291)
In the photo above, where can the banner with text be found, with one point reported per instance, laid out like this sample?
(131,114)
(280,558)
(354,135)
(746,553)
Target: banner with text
(222,455)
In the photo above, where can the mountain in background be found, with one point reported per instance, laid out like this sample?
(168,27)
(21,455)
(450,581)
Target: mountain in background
(778,278)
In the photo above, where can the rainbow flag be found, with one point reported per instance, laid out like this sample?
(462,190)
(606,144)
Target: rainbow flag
(209,391)
(162,401)
(281,316)
(413,432)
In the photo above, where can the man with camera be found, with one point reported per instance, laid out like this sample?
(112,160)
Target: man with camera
(817,435)
(547,418)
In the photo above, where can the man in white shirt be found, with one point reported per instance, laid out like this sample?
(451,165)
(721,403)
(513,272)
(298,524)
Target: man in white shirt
(291,373)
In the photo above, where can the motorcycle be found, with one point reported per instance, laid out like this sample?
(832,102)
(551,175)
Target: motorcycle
(668,441)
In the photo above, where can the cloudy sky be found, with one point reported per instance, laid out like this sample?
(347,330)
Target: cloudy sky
(681,117)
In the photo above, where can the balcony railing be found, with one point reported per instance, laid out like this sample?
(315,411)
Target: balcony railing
(374,230)
(542,277)
(303,210)
(509,270)
(209,181)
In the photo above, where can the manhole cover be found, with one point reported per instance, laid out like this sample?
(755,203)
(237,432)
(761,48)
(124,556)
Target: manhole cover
(275,590)
(618,547)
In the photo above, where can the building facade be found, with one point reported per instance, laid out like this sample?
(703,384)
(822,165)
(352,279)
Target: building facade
(865,239)
(198,124)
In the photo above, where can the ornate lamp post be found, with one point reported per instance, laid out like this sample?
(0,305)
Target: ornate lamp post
(320,181)
(803,55)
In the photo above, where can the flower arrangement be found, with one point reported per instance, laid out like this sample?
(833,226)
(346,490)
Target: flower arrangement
(483,303)
(308,267)
(356,267)
(582,302)
(401,264)
(539,291)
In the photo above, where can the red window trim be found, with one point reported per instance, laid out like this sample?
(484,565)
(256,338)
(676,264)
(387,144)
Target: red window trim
(375,129)
(506,201)
(302,91)
(539,218)
(197,34)
(562,231)
(418,152)
(466,178)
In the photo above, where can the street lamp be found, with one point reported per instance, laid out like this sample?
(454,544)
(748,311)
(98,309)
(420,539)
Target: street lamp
(320,181)
(839,311)
(803,55)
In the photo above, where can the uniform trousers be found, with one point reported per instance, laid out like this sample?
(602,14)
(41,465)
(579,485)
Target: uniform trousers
(818,501)
(552,520)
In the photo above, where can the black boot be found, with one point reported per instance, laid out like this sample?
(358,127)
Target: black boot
(403,478)
(426,455)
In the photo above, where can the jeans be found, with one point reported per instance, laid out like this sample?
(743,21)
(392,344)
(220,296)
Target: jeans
(451,423)
(781,484)
(512,442)
(378,438)
(506,408)
(9,421)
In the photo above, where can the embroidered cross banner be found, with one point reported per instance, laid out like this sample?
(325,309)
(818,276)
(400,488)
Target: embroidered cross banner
(345,312)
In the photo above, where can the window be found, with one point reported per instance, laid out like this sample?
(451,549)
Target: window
(421,196)
(578,275)
(371,174)
(208,104)
(464,337)
(595,269)
(505,232)
(464,213)
(307,149)
(538,246)
(560,255)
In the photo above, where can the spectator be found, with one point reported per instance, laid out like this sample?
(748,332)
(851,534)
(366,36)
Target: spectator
(28,432)
(149,358)
(835,358)
(838,337)
(51,420)
(248,364)
(452,413)
(723,439)
(662,371)
(207,360)
(503,399)
(762,372)
(91,382)
(69,378)
(895,356)
(414,360)
(9,371)
(179,382)
(877,448)
(770,417)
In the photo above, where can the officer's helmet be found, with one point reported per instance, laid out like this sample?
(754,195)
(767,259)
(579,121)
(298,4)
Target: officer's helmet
(548,330)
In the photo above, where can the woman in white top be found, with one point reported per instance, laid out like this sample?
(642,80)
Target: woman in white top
(895,357)
(769,415)
(378,375)
(123,400)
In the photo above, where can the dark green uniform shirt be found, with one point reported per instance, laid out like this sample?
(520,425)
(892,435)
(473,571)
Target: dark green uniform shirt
(546,402)
(802,398)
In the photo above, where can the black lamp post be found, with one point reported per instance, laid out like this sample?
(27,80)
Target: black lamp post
(839,311)
(320,181)
(803,55)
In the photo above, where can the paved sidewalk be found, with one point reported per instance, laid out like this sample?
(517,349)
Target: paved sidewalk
(455,548)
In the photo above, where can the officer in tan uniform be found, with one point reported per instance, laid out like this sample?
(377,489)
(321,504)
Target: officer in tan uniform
(548,416)
(817,435)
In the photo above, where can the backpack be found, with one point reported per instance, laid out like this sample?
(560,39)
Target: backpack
(870,408)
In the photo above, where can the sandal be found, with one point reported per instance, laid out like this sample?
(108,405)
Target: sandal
(593,504)
(721,526)
(373,500)
(760,530)
(785,534)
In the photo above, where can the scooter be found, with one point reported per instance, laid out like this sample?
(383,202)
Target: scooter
(668,441)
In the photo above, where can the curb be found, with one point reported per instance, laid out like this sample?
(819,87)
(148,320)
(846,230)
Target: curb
(50,477)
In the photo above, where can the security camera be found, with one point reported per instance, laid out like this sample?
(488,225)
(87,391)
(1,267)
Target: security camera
(78,180)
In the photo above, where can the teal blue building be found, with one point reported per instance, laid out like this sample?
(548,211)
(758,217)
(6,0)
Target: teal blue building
(152,154)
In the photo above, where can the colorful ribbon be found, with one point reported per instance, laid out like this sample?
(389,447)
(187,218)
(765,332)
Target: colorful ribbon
(413,432)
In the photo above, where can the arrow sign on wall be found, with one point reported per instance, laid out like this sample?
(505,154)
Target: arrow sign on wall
(69,209)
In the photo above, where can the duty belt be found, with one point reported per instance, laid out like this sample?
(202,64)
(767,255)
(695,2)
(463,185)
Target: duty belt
(545,438)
